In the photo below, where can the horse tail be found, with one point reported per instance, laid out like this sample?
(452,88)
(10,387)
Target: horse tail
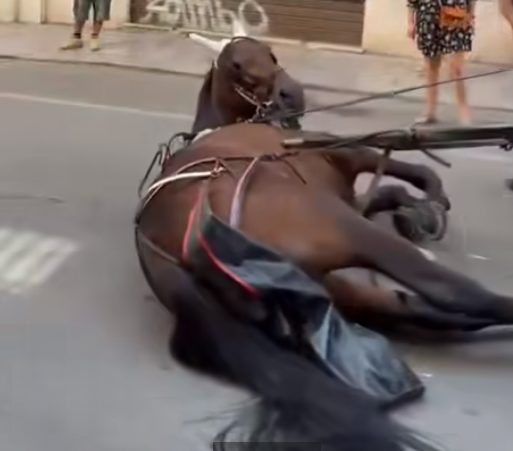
(299,406)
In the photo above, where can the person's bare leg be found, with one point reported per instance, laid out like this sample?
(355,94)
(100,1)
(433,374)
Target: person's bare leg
(506,9)
(77,29)
(432,70)
(457,61)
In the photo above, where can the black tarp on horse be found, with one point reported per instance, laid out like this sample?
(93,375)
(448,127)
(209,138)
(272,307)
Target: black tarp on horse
(298,311)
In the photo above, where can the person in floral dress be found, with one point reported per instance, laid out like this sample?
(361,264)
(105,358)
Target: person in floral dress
(506,9)
(435,41)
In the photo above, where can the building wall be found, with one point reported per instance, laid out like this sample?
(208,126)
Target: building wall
(8,11)
(385,31)
(332,21)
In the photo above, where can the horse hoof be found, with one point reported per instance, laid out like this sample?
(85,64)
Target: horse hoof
(427,221)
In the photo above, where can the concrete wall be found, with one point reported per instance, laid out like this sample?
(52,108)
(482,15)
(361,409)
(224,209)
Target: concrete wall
(8,10)
(31,11)
(385,31)
(384,28)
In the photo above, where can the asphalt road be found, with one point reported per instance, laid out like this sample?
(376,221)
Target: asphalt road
(83,344)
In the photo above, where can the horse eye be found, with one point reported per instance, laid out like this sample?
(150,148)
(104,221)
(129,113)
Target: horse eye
(284,94)
(237,66)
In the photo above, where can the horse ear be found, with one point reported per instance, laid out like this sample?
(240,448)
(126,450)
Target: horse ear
(238,29)
(216,46)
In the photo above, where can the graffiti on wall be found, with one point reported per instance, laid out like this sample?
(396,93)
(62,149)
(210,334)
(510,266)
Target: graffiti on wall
(207,15)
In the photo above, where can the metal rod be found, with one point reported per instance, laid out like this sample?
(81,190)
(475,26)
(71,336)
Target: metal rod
(416,138)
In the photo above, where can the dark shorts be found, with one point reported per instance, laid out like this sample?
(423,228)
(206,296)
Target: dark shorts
(101,10)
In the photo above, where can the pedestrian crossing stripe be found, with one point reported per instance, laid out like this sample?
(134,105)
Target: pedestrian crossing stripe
(28,259)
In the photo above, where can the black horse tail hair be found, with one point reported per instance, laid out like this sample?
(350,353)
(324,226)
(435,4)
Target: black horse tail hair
(299,406)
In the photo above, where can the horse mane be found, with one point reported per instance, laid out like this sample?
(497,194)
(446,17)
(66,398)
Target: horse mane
(205,112)
(207,82)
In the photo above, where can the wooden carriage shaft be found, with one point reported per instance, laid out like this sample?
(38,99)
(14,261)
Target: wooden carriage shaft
(415,139)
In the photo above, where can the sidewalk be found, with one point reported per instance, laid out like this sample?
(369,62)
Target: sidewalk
(317,69)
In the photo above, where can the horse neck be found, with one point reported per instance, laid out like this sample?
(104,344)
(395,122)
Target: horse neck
(207,115)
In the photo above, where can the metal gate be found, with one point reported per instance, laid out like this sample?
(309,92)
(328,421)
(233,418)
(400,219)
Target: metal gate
(331,21)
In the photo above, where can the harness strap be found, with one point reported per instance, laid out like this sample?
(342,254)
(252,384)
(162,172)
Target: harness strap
(369,194)
(236,208)
(158,185)
(153,247)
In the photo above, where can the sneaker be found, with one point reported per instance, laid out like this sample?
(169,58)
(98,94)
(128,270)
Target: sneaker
(94,45)
(73,44)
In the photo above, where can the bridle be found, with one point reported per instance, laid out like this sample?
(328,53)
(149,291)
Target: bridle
(262,108)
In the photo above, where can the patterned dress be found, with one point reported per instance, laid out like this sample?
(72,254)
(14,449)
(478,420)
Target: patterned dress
(434,40)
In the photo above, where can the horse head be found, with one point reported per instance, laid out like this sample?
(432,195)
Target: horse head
(246,79)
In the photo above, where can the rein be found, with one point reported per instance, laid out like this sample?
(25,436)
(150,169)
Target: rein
(383,95)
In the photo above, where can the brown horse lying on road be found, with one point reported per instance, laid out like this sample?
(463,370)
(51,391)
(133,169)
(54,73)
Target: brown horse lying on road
(302,205)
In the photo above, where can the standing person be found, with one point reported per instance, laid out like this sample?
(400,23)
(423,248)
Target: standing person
(506,9)
(81,9)
(442,28)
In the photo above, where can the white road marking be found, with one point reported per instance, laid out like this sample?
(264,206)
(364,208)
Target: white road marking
(96,106)
(477,257)
(28,259)
(15,245)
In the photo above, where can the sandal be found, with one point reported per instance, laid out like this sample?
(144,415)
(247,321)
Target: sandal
(426,120)
(465,121)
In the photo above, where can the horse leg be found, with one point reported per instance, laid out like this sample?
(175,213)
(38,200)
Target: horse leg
(418,175)
(443,288)
(389,198)
(373,305)
(415,219)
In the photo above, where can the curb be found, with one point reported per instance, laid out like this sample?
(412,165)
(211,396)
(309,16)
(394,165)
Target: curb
(198,75)
(157,70)
(101,63)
